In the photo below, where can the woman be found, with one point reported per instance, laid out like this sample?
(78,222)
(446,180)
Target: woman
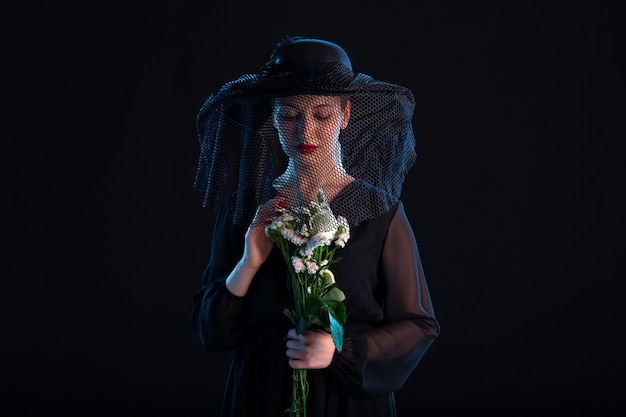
(269,140)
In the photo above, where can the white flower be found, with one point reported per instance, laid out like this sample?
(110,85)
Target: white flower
(305,253)
(311,267)
(298,264)
(343,232)
(341,240)
(276,224)
(302,212)
(287,217)
(291,236)
(328,275)
(320,239)
(324,238)
(304,230)
(343,223)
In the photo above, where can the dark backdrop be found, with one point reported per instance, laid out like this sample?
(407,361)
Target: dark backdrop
(513,199)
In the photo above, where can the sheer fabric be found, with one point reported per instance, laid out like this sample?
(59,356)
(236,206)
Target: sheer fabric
(241,152)
(391,321)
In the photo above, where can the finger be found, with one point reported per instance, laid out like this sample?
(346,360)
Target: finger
(294,344)
(268,211)
(294,354)
(297,364)
(292,334)
(281,201)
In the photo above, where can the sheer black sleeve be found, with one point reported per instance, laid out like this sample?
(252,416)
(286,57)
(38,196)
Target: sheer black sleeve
(379,360)
(218,315)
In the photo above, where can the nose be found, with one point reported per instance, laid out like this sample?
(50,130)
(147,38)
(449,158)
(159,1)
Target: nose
(305,127)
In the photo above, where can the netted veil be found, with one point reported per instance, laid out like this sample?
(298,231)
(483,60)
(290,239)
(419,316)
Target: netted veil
(283,123)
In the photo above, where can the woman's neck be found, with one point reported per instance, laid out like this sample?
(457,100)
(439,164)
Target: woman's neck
(303,182)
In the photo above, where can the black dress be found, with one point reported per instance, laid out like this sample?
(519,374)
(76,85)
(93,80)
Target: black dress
(390,325)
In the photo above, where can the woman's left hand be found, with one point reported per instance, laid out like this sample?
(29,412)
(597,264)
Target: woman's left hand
(313,349)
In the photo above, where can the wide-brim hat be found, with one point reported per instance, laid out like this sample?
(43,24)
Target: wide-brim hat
(239,145)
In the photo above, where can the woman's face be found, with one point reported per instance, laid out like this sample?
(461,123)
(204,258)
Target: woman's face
(308,126)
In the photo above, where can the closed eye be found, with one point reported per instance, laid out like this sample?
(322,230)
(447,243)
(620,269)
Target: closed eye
(288,115)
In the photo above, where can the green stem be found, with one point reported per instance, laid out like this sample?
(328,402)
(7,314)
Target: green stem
(300,392)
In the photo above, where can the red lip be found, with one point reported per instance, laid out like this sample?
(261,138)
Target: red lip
(303,148)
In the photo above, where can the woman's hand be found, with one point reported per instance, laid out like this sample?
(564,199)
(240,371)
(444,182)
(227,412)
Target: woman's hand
(313,349)
(256,249)
(257,245)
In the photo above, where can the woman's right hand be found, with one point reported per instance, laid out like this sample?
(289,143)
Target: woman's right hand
(256,249)
(257,245)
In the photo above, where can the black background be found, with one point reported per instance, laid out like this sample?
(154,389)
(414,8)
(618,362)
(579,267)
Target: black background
(514,198)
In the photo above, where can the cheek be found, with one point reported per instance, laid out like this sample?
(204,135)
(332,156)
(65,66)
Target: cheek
(328,139)
(284,130)
(284,142)
(329,131)
(286,138)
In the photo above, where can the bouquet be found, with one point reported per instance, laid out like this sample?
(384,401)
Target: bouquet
(308,238)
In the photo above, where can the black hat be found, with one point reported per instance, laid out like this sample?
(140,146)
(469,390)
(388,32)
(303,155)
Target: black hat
(297,54)
(240,153)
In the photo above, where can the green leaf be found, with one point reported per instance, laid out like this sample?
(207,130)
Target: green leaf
(336,331)
(322,316)
(338,311)
(334,260)
(313,304)
(289,313)
(334,294)
(315,321)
